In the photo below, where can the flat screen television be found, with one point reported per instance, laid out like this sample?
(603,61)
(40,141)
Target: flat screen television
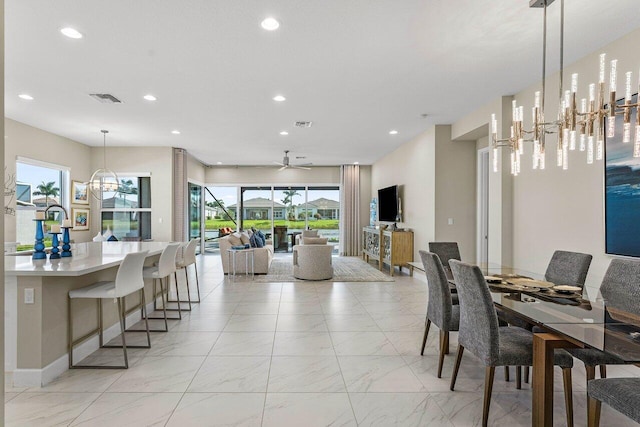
(388,204)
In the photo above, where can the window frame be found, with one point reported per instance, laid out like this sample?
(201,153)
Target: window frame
(136,175)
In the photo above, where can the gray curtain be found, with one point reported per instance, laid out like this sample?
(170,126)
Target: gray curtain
(350,241)
(180,196)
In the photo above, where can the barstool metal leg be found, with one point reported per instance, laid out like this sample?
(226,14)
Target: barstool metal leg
(175,276)
(70,333)
(195,267)
(122,329)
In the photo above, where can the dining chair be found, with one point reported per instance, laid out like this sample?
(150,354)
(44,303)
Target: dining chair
(564,268)
(622,394)
(186,258)
(162,272)
(621,291)
(568,268)
(445,251)
(495,345)
(440,308)
(128,280)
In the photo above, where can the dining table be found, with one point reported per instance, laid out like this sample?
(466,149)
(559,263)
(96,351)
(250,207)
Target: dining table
(569,318)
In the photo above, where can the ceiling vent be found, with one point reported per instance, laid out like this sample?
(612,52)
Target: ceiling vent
(302,124)
(105,98)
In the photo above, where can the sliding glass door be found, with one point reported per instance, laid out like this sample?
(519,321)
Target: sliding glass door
(195,212)
(322,211)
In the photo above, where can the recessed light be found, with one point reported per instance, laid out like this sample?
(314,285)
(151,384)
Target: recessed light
(284,132)
(356,163)
(270,24)
(393,132)
(175,132)
(72,33)
(219,163)
(25,96)
(279,98)
(150,97)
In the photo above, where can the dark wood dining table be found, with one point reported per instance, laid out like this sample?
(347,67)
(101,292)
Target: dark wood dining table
(577,320)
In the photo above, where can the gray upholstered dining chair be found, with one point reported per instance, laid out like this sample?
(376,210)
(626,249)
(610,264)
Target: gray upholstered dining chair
(621,290)
(568,268)
(445,251)
(440,308)
(622,394)
(564,268)
(495,345)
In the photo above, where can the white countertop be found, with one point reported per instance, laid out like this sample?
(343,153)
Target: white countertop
(87,258)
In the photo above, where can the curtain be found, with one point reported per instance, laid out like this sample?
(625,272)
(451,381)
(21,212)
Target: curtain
(350,241)
(180,196)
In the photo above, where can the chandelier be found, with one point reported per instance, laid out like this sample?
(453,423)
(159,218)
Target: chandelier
(103,180)
(577,126)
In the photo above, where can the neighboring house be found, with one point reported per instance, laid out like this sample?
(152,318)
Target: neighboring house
(259,208)
(327,208)
(119,202)
(41,202)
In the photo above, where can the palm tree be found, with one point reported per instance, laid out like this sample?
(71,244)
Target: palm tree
(126,187)
(288,200)
(47,190)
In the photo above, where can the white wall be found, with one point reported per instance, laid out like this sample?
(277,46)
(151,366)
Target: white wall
(196,170)
(412,167)
(239,175)
(33,143)
(158,162)
(436,176)
(455,178)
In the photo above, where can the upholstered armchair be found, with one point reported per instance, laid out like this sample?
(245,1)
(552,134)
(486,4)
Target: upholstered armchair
(312,262)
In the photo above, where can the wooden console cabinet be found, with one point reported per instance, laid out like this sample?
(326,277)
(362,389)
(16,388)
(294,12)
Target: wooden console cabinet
(394,248)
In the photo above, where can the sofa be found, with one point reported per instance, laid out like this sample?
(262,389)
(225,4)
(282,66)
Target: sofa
(262,256)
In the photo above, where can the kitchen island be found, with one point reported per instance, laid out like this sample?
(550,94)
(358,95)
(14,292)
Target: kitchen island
(36,306)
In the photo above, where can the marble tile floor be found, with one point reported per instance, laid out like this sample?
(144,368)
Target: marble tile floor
(290,354)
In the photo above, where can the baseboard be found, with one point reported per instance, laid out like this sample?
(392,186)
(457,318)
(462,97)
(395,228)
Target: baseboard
(41,377)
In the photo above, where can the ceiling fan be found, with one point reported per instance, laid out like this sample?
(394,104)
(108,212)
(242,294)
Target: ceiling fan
(286,165)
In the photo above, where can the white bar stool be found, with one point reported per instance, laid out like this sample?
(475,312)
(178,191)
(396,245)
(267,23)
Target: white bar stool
(183,262)
(128,280)
(163,270)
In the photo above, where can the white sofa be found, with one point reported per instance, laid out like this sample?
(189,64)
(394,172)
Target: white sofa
(312,262)
(262,257)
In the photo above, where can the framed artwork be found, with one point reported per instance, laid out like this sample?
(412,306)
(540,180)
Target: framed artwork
(622,192)
(79,193)
(80,218)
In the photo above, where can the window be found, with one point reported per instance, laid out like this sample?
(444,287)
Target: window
(127,212)
(38,185)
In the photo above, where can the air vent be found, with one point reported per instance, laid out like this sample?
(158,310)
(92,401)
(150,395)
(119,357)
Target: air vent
(303,124)
(105,98)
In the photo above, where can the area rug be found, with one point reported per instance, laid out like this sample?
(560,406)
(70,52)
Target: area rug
(345,269)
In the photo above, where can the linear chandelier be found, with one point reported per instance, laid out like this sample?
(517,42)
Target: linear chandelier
(577,127)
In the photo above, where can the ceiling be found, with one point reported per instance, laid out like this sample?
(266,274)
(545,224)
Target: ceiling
(355,68)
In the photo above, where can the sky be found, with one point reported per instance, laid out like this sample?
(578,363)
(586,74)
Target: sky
(36,174)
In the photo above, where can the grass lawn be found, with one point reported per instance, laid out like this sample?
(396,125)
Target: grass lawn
(316,224)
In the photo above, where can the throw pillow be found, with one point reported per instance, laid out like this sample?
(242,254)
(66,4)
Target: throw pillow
(244,237)
(253,240)
(259,241)
(262,237)
(315,240)
(234,239)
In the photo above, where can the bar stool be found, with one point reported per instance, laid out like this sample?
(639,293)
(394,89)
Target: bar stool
(163,270)
(128,280)
(183,262)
